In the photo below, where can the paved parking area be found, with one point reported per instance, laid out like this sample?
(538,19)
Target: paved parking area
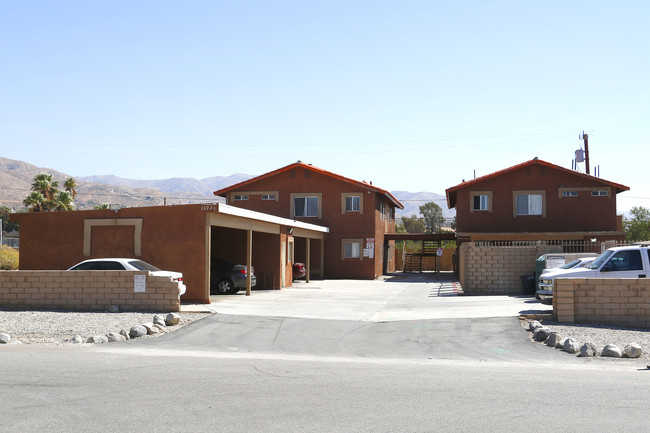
(394,298)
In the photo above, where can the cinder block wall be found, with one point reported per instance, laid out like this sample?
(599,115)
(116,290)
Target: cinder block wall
(612,302)
(498,270)
(86,291)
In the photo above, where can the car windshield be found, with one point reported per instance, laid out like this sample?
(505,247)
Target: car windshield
(143,266)
(599,260)
(570,264)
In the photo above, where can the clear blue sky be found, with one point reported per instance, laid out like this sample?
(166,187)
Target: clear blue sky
(413,95)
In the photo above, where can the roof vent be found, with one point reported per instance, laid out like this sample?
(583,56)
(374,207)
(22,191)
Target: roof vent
(535,159)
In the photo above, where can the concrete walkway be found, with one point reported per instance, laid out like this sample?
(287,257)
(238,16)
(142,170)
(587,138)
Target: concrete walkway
(393,298)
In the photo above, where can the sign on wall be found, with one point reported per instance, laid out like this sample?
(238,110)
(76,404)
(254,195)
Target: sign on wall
(139,283)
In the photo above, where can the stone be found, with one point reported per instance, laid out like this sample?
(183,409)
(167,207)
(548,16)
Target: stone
(97,339)
(612,351)
(158,319)
(114,336)
(541,334)
(4,338)
(571,346)
(553,339)
(137,331)
(161,328)
(633,350)
(124,333)
(534,325)
(77,339)
(172,319)
(151,328)
(588,350)
(114,309)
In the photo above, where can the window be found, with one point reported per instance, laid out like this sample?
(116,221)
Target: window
(599,193)
(569,193)
(240,197)
(382,210)
(529,204)
(305,206)
(625,261)
(481,202)
(352,203)
(352,249)
(268,196)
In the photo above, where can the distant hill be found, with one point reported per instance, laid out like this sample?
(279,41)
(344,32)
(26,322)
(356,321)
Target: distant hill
(16,179)
(176,184)
(413,200)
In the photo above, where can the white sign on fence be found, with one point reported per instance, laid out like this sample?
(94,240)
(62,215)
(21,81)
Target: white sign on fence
(139,283)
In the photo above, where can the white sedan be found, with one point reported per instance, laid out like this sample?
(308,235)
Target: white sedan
(116,264)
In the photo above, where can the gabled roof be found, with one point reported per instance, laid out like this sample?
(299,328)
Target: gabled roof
(223,191)
(451,192)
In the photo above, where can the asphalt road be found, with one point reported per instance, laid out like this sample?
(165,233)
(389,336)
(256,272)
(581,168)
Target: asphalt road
(384,360)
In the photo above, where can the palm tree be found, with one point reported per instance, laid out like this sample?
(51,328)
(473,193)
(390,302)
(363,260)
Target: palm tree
(35,202)
(46,185)
(62,201)
(70,185)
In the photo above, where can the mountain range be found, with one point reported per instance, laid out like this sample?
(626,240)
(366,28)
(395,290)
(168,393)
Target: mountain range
(16,179)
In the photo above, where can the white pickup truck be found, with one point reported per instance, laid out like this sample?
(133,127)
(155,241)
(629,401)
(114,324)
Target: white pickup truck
(619,262)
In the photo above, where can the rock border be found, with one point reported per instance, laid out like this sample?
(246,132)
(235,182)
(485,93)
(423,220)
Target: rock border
(545,335)
(158,325)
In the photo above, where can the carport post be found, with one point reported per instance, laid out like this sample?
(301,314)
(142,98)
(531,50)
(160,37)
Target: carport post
(308,260)
(249,259)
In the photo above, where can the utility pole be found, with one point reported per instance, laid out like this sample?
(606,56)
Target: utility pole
(585,137)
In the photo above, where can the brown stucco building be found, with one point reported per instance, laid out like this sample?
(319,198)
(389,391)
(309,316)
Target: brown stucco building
(537,200)
(176,238)
(358,215)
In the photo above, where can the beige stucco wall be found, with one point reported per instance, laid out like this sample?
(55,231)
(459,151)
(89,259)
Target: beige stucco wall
(86,291)
(613,302)
(497,270)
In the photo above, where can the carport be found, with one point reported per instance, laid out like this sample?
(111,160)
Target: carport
(180,238)
(263,241)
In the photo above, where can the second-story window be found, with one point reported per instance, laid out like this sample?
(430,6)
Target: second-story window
(268,196)
(352,203)
(599,193)
(240,197)
(481,202)
(529,204)
(305,206)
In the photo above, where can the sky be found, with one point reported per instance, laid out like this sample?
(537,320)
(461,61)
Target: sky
(411,95)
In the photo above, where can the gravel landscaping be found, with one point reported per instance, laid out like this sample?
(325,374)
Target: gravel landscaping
(599,335)
(59,327)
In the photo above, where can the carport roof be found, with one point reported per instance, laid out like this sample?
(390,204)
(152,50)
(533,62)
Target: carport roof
(245,213)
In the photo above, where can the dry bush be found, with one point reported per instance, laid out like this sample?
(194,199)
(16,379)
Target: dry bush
(8,258)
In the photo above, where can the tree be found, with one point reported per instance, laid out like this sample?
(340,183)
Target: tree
(433,219)
(6,224)
(637,227)
(70,185)
(413,224)
(46,197)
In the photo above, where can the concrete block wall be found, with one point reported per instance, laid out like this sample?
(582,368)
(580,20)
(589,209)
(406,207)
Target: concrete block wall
(612,302)
(86,291)
(497,270)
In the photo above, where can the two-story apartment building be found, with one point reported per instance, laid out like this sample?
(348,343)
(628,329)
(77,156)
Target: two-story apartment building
(537,200)
(357,213)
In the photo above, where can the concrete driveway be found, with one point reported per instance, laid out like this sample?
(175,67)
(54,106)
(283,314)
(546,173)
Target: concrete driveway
(394,298)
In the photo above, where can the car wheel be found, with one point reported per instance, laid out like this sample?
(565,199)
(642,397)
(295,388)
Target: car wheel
(225,287)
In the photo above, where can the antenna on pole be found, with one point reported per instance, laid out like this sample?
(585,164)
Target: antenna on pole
(585,137)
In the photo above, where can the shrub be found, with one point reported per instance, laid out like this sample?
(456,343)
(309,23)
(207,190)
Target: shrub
(8,258)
